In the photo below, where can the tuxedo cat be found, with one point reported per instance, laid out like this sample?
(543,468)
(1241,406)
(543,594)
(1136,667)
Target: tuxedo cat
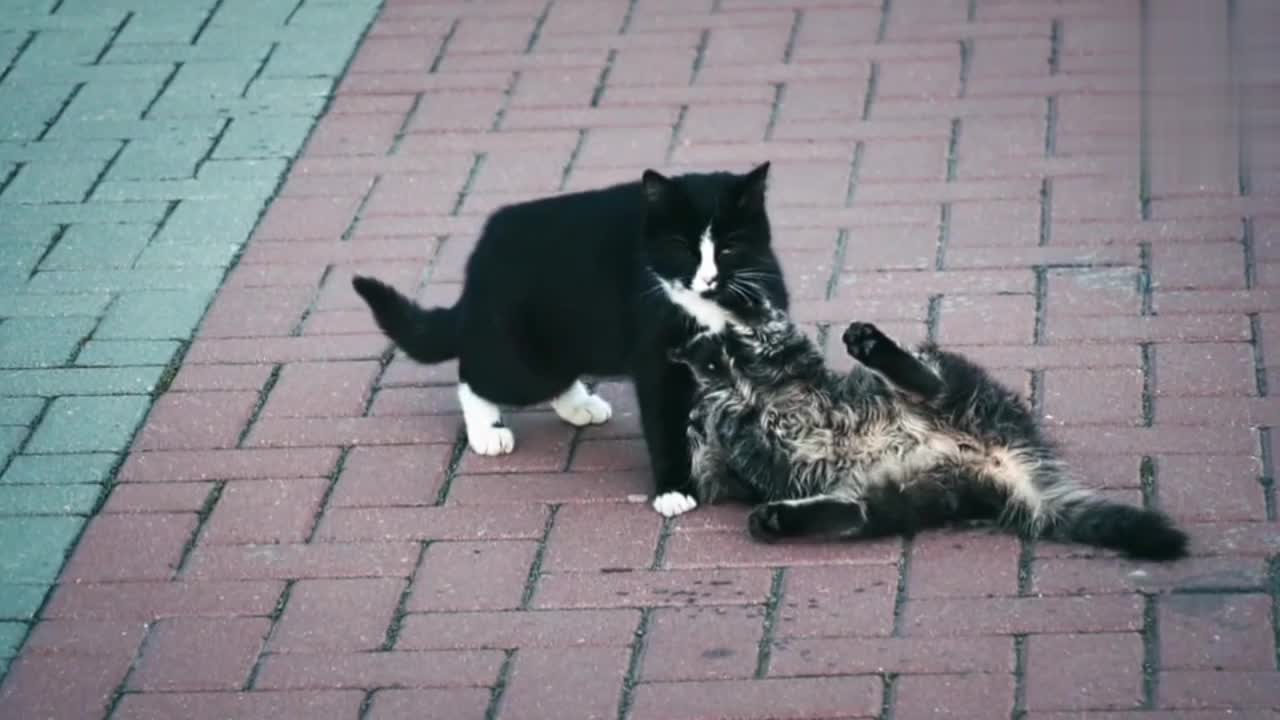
(598,283)
(903,442)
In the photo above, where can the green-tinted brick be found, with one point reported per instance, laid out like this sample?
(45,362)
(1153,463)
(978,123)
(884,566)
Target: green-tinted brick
(80,381)
(35,547)
(113,353)
(180,189)
(11,437)
(213,77)
(271,169)
(11,635)
(91,247)
(58,150)
(73,281)
(89,424)
(50,182)
(41,342)
(306,60)
(183,255)
(262,13)
(90,212)
(160,158)
(264,137)
(19,410)
(20,602)
(87,305)
(85,468)
(109,128)
(48,499)
(29,104)
(218,222)
(67,47)
(120,99)
(154,315)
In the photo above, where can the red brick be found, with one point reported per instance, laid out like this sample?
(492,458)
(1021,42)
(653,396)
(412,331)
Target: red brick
(363,134)
(321,218)
(47,686)
(327,389)
(518,629)
(200,654)
(149,601)
(433,523)
(286,349)
(443,668)
(1079,672)
(702,643)
(319,432)
(1212,689)
(243,706)
(338,322)
(596,537)
(337,615)
(1257,300)
(659,588)
(265,511)
(1204,369)
(1005,257)
(994,222)
(992,319)
(916,250)
(196,421)
(1103,440)
(194,378)
(1215,632)
(157,497)
(578,683)
(610,456)
(1210,266)
(556,86)
(963,565)
(591,487)
(256,312)
(472,576)
(736,548)
(1009,616)
(797,698)
(1093,291)
(1237,493)
(155,542)
(79,637)
(1114,397)
(399,52)
(184,466)
(953,696)
(924,284)
(461,703)
(387,476)
(1242,538)
(919,160)
(837,602)
(807,657)
(542,445)
(1108,575)
(295,561)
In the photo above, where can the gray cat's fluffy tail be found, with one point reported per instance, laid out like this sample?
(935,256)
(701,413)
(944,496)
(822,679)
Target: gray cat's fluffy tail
(426,335)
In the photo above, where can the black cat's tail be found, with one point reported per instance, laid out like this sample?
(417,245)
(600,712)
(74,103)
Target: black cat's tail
(426,335)
(1085,517)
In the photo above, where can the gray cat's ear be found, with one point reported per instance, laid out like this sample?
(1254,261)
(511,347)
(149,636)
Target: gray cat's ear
(752,186)
(657,187)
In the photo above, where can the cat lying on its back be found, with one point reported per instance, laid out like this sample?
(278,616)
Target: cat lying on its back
(902,443)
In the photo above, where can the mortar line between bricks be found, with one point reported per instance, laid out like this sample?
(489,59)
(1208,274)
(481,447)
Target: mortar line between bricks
(953,142)
(597,93)
(164,86)
(1144,278)
(627,17)
(1055,46)
(262,67)
(274,620)
(1259,361)
(403,130)
(1037,392)
(366,704)
(632,678)
(932,313)
(17,56)
(1144,112)
(779,94)
(675,133)
(1046,211)
(356,217)
(700,52)
(1041,289)
(111,41)
(334,478)
(660,549)
(888,695)
(102,174)
(538,23)
(263,395)
(1019,676)
(1150,652)
(1268,478)
(213,147)
(944,234)
(444,47)
(402,603)
(202,516)
(476,163)
(9,176)
(1250,258)
(886,6)
(573,158)
(1148,472)
(75,356)
(121,689)
(1026,565)
(1273,572)
(204,24)
(1234,48)
(499,688)
(451,469)
(297,7)
(48,250)
(966,62)
(535,568)
(772,607)
(971,12)
(1050,129)
(296,330)
(1148,383)
(873,81)
(837,261)
(66,103)
(22,446)
(796,22)
(507,94)
(900,592)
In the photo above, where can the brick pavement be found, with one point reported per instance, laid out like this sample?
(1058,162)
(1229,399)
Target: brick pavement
(1080,194)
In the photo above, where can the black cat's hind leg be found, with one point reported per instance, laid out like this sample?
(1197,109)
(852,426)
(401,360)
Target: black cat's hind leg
(871,347)
(824,515)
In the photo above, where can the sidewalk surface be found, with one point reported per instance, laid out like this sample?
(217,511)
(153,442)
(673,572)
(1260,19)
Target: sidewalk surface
(225,497)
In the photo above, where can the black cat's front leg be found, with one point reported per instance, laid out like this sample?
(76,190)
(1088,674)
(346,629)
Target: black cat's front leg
(819,515)
(665,393)
(871,347)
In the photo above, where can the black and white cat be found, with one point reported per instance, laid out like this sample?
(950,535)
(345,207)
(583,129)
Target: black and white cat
(903,442)
(587,284)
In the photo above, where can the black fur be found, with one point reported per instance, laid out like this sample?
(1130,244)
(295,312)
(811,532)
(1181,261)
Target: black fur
(568,286)
(903,443)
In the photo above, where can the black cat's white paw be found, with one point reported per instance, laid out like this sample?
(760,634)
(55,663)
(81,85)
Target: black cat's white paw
(671,504)
(861,339)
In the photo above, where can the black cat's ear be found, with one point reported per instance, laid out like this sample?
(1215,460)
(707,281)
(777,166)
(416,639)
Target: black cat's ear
(657,187)
(750,189)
